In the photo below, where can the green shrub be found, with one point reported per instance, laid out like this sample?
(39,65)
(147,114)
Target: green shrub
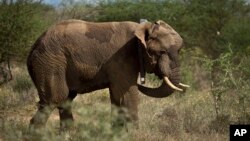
(153,80)
(22,83)
(229,77)
(22,86)
(91,125)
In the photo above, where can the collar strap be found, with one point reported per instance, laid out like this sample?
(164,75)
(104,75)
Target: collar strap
(141,64)
(141,60)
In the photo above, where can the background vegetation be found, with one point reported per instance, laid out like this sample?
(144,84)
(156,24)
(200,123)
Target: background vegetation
(215,61)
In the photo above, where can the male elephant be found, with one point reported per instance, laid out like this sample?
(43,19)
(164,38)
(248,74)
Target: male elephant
(75,56)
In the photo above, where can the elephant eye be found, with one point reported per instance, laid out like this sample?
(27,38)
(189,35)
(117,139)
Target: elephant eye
(170,55)
(152,38)
(163,52)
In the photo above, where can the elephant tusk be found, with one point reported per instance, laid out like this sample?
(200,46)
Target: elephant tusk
(184,85)
(171,84)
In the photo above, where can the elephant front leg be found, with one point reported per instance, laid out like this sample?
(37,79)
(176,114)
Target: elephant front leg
(126,99)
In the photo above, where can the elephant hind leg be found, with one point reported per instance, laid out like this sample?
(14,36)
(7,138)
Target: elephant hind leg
(65,112)
(53,90)
(40,118)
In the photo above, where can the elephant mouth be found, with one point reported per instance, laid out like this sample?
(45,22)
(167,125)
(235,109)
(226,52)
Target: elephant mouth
(172,82)
(171,85)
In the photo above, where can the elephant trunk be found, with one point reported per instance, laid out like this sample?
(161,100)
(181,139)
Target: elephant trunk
(171,79)
(167,87)
(163,91)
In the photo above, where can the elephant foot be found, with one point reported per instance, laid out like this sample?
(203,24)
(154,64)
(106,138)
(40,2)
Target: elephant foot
(66,120)
(39,120)
(66,125)
(125,121)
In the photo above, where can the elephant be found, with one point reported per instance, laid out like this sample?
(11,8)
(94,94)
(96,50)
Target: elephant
(76,57)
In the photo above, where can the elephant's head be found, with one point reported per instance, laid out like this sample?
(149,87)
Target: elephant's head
(161,45)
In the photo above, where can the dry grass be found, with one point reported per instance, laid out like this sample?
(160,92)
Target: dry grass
(190,116)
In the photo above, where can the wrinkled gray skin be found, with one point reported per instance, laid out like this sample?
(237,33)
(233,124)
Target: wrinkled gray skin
(76,57)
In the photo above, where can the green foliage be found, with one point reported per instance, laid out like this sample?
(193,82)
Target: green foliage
(4,103)
(92,125)
(232,77)
(237,33)
(72,9)
(153,80)
(22,83)
(129,11)
(234,70)
(19,92)
(98,126)
(20,24)
(204,23)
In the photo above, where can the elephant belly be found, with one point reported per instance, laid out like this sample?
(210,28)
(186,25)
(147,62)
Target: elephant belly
(87,81)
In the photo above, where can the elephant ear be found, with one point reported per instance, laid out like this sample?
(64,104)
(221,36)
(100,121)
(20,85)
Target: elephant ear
(145,31)
(142,33)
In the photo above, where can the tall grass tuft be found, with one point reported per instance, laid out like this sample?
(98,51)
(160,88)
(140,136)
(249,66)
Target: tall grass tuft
(22,83)
(22,86)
